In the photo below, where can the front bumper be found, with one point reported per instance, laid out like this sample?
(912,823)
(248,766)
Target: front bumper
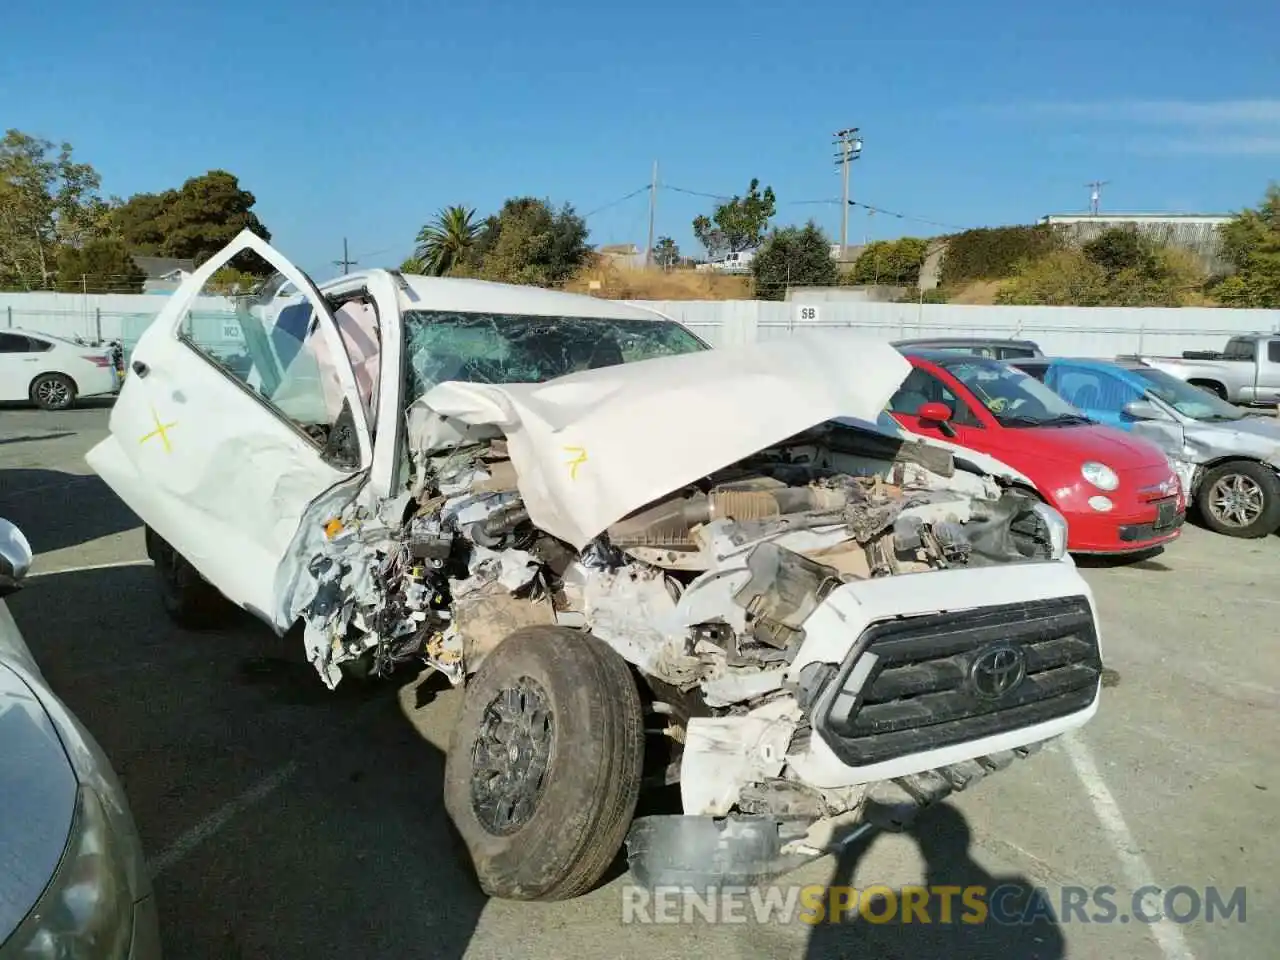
(1150,525)
(892,721)
(703,853)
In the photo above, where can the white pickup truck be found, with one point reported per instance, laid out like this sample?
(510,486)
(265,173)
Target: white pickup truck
(636,554)
(1247,371)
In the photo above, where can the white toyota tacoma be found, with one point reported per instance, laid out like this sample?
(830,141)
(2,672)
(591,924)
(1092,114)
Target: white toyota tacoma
(643,559)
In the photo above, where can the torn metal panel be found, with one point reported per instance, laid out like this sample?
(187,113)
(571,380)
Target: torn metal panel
(724,754)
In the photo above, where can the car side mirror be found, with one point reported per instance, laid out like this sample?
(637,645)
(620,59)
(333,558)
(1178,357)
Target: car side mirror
(937,414)
(1142,410)
(15,557)
(934,412)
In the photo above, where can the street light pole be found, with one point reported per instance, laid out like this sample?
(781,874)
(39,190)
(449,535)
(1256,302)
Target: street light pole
(850,145)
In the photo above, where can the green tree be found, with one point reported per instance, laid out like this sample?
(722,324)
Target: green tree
(793,257)
(193,222)
(665,253)
(527,242)
(100,265)
(890,261)
(737,224)
(446,241)
(1120,249)
(412,266)
(46,200)
(1251,242)
(994,253)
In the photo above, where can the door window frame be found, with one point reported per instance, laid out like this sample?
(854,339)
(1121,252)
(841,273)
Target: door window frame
(322,314)
(962,412)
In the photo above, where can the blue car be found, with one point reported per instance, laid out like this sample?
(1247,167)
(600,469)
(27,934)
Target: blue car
(1228,459)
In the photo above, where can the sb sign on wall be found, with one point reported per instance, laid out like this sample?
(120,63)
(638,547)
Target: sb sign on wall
(807,313)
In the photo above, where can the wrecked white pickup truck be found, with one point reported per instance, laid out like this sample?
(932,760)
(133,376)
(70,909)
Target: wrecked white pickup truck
(635,553)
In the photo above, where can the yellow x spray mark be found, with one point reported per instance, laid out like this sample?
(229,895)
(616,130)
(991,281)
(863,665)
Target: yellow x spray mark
(580,457)
(160,431)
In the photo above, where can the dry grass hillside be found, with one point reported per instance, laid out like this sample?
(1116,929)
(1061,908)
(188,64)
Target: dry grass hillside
(630,283)
(980,292)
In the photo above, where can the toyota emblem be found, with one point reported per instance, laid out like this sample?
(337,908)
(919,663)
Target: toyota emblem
(997,670)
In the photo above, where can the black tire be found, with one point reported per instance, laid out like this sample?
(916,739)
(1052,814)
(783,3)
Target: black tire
(1240,499)
(53,391)
(577,808)
(1217,389)
(188,599)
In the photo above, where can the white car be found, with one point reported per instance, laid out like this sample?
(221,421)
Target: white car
(637,554)
(52,372)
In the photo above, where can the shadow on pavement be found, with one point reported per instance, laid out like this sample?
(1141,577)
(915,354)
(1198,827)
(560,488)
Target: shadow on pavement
(29,438)
(1142,560)
(281,819)
(54,509)
(100,402)
(1018,923)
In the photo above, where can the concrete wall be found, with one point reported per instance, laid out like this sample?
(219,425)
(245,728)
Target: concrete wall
(1078,331)
(1062,331)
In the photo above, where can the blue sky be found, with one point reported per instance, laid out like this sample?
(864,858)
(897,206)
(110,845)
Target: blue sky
(362,119)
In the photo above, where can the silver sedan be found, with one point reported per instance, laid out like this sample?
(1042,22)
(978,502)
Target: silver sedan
(73,880)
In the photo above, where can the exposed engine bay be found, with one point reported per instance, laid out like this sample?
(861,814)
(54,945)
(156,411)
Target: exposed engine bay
(706,588)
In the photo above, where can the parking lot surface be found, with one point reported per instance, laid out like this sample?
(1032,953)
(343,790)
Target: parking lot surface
(285,821)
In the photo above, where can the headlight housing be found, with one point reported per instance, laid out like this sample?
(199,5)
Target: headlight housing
(1056,524)
(1100,475)
(86,912)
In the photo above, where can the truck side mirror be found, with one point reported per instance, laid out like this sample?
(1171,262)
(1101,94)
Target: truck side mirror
(1142,410)
(15,557)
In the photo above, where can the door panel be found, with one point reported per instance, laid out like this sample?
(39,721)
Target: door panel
(921,387)
(220,439)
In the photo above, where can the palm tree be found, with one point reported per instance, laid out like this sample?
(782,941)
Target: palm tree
(444,242)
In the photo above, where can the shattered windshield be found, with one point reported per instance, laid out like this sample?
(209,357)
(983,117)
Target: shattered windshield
(1187,400)
(513,348)
(1014,399)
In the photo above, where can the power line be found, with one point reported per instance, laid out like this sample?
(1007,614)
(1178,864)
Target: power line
(695,193)
(887,213)
(614,203)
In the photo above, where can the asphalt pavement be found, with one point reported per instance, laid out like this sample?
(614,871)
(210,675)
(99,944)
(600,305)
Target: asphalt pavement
(285,821)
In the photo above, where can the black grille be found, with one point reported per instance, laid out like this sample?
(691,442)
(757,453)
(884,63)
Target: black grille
(921,694)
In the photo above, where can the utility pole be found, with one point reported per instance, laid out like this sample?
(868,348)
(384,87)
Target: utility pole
(346,262)
(850,145)
(653,207)
(1095,195)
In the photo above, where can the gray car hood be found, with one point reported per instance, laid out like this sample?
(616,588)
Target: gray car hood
(1252,436)
(39,791)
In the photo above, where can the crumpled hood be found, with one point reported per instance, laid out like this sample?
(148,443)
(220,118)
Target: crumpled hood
(1268,427)
(592,447)
(1252,436)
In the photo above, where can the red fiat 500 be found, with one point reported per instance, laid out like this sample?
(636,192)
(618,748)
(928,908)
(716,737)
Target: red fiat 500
(1118,492)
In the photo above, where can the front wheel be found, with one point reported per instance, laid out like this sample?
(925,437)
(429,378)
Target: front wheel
(1240,499)
(188,599)
(544,769)
(53,391)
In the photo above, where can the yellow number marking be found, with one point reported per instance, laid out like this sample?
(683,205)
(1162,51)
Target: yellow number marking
(579,458)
